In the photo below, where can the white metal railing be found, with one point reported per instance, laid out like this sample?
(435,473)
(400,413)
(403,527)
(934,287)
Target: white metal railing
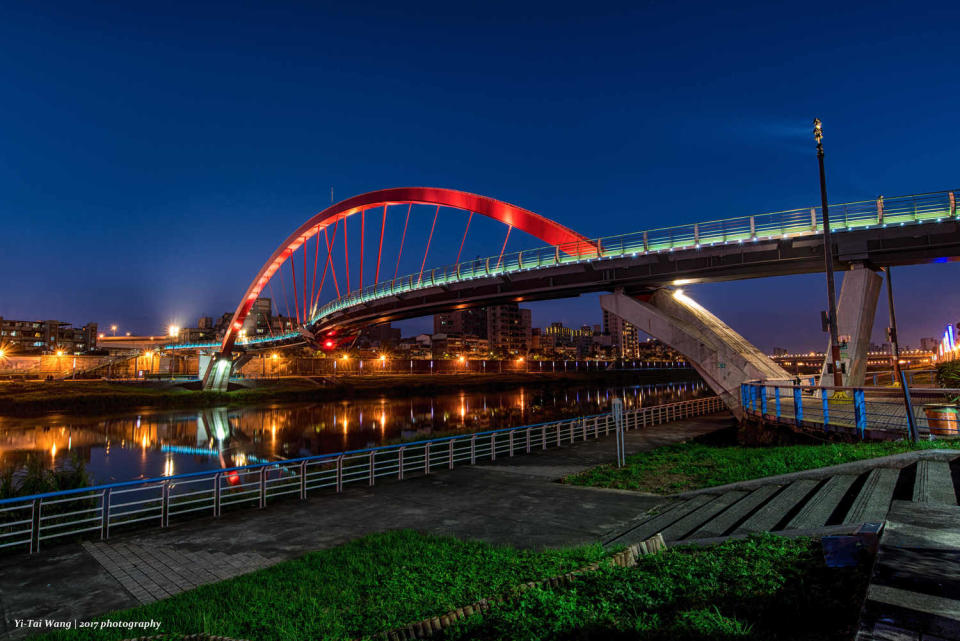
(27,521)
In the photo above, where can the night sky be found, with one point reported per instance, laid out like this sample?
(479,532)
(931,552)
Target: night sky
(153,156)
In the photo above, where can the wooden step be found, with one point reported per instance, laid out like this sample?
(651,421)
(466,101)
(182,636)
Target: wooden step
(822,504)
(703,514)
(729,517)
(873,501)
(767,517)
(934,484)
(657,524)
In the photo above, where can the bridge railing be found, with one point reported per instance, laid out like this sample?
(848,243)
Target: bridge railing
(869,412)
(808,221)
(30,521)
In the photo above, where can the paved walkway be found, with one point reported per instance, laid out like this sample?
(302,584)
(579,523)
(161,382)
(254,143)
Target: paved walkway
(514,500)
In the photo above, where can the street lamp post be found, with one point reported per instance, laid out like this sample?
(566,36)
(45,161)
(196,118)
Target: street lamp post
(828,262)
(892,330)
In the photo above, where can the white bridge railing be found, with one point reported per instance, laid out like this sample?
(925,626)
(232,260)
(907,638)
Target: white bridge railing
(27,522)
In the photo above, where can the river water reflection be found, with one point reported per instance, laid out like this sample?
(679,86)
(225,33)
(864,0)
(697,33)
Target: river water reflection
(163,443)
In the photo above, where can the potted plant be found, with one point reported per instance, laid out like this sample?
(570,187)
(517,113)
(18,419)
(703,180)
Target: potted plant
(944,418)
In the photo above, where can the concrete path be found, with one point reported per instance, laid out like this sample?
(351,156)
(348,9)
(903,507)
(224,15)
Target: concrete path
(914,592)
(514,501)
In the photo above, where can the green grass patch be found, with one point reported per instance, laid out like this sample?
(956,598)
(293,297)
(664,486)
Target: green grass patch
(766,587)
(693,465)
(371,584)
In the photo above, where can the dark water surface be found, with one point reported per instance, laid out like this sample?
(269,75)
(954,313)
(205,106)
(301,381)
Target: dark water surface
(163,443)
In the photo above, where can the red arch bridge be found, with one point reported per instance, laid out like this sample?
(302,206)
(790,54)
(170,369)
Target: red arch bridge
(404,252)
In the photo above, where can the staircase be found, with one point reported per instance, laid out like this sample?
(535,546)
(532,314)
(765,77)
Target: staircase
(832,502)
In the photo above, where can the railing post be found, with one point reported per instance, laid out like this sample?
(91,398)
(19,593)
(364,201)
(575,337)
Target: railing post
(528,439)
(105,514)
(583,426)
(776,395)
(860,411)
(798,405)
(165,504)
(543,437)
(953,204)
(216,494)
(303,480)
(572,437)
(35,525)
(510,441)
(558,434)
(493,446)
(450,466)
(372,466)
(426,457)
(263,487)
(473,449)
(340,473)
(696,233)
(813,219)
(753,227)
(826,408)
(646,243)
(763,400)
(400,463)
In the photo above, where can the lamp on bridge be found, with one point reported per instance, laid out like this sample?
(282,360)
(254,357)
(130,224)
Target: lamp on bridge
(828,264)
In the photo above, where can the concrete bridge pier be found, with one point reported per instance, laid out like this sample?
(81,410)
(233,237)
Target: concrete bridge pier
(724,358)
(216,370)
(856,310)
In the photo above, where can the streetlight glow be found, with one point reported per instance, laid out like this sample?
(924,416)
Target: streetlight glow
(173,331)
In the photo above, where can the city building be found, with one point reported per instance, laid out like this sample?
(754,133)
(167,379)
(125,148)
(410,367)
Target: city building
(46,337)
(450,346)
(929,344)
(624,337)
(465,322)
(508,329)
(383,335)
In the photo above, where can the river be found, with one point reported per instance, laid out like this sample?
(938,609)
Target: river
(163,443)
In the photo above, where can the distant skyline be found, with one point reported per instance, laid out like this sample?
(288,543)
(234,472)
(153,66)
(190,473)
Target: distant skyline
(154,156)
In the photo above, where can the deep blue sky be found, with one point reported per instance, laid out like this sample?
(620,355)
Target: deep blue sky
(152,156)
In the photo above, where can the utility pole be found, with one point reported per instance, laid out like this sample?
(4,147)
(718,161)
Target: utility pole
(828,262)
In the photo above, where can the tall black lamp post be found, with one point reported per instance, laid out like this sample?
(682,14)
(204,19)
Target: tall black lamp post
(828,262)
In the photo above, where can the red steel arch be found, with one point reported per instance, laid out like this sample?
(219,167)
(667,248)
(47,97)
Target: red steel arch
(543,228)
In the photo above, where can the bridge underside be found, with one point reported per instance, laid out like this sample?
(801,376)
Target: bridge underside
(724,358)
(644,272)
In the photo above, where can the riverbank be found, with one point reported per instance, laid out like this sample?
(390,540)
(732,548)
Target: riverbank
(93,397)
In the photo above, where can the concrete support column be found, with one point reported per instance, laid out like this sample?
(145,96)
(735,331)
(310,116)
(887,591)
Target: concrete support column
(856,310)
(724,358)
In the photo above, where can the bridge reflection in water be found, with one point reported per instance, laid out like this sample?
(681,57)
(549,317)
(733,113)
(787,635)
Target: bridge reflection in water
(166,443)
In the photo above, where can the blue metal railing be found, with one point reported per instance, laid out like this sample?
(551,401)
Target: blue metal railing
(875,412)
(807,221)
(27,521)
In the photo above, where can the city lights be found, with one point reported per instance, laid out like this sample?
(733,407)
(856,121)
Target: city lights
(173,331)
(274,356)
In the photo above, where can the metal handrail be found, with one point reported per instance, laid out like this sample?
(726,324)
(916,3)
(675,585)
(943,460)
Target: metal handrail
(124,503)
(885,412)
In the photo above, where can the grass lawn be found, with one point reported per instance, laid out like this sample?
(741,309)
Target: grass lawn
(371,584)
(693,465)
(766,587)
